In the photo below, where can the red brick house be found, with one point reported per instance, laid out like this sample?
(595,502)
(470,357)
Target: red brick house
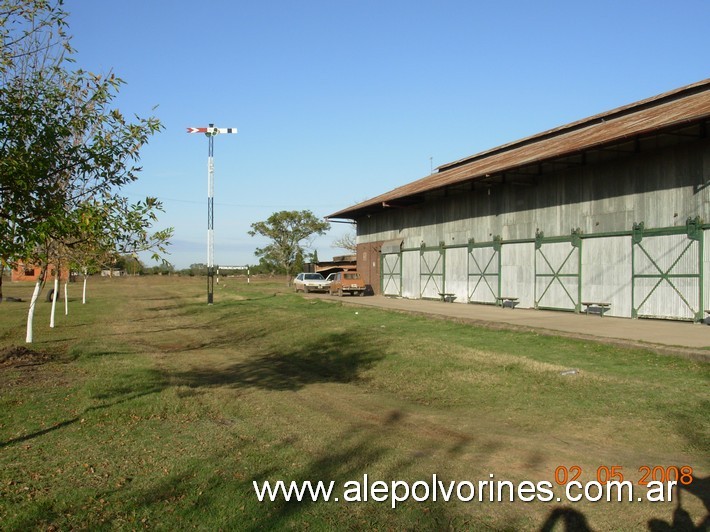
(23,272)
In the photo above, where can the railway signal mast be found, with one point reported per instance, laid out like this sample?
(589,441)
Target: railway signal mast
(210,132)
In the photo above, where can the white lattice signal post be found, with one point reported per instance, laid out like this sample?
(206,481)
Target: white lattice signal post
(210,131)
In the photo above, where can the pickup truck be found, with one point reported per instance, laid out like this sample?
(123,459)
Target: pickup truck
(348,282)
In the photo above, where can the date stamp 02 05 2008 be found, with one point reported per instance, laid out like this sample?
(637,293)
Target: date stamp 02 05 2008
(682,475)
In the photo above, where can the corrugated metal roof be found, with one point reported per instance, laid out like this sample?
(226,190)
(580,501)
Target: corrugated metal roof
(671,109)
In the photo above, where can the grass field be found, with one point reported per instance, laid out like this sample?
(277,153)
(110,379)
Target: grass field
(147,408)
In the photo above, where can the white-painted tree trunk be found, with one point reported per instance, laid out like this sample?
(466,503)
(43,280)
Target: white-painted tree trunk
(55,296)
(66,297)
(31,313)
(83,295)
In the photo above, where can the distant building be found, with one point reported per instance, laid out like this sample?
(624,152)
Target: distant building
(113,273)
(338,264)
(25,272)
(613,209)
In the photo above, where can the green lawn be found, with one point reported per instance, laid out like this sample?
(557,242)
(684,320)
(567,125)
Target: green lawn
(148,408)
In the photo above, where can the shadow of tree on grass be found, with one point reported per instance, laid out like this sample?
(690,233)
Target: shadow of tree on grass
(339,357)
(359,450)
(130,395)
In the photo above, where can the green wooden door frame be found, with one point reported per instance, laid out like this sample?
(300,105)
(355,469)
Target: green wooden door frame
(693,229)
(575,241)
(483,274)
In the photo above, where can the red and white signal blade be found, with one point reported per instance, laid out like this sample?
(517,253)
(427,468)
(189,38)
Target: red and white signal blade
(212,130)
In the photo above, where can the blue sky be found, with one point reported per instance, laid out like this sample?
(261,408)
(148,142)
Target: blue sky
(339,101)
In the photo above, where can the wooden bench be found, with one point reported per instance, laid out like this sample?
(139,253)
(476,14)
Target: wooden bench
(506,300)
(603,307)
(447,297)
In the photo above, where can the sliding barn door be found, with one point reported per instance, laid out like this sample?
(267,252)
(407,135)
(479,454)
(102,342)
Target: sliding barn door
(667,281)
(483,273)
(557,272)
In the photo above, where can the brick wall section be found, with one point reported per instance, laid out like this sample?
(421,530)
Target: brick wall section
(368,264)
(31,273)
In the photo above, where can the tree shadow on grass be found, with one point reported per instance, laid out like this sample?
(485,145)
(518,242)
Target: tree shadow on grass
(339,357)
(355,466)
(361,451)
(131,385)
(215,494)
(349,462)
(130,396)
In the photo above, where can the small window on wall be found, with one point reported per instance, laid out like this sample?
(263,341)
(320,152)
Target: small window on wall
(29,272)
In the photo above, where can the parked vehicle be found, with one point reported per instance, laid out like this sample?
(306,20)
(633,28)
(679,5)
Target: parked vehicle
(347,282)
(310,282)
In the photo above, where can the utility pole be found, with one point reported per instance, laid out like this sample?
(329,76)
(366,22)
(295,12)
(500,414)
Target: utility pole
(210,132)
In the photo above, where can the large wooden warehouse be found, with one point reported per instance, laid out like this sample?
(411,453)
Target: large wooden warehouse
(613,208)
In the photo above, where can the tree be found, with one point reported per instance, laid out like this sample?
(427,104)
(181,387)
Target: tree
(165,268)
(109,231)
(287,230)
(65,153)
(348,242)
(198,269)
(29,34)
(130,264)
